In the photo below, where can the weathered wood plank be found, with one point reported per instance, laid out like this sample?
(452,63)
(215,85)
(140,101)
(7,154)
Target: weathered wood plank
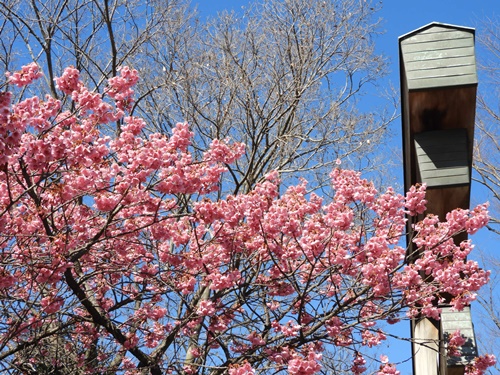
(423,83)
(450,175)
(436,34)
(437,45)
(449,62)
(437,29)
(439,54)
(442,72)
(446,160)
(445,181)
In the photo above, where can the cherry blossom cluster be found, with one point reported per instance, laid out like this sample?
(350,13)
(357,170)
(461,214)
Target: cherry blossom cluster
(388,369)
(120,87)
(455,342)
(309,365)
(245,369)
(25,76)
(69,81)
(130,244)
(481,365)
(5,130)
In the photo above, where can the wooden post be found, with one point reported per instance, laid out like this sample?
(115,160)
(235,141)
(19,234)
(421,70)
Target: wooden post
(438,92)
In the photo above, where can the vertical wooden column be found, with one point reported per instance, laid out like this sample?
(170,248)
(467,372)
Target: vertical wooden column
(425,346)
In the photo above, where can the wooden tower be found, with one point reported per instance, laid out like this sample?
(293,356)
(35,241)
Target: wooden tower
(438,92)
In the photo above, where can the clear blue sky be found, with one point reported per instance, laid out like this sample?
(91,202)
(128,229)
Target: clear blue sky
(398,18)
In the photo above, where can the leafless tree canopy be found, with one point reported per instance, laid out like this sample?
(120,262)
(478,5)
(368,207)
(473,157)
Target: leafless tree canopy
(487,166)
(281,80)
(487,152)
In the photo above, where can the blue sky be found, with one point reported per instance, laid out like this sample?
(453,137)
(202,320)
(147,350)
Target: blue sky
(398,18)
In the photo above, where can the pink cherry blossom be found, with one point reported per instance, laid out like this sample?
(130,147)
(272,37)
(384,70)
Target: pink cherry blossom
(455,341)
(5,98)
(206,308)
(26,75)
(256,339)
(290,329)
(51,304)
(388,369)
(120,87)
(359,362)
(480,365)
(69,81)
(308,365)
(129,242)
(415,200)
(244,369)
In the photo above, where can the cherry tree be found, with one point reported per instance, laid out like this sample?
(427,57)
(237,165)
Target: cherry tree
(283,77)
(120,255)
